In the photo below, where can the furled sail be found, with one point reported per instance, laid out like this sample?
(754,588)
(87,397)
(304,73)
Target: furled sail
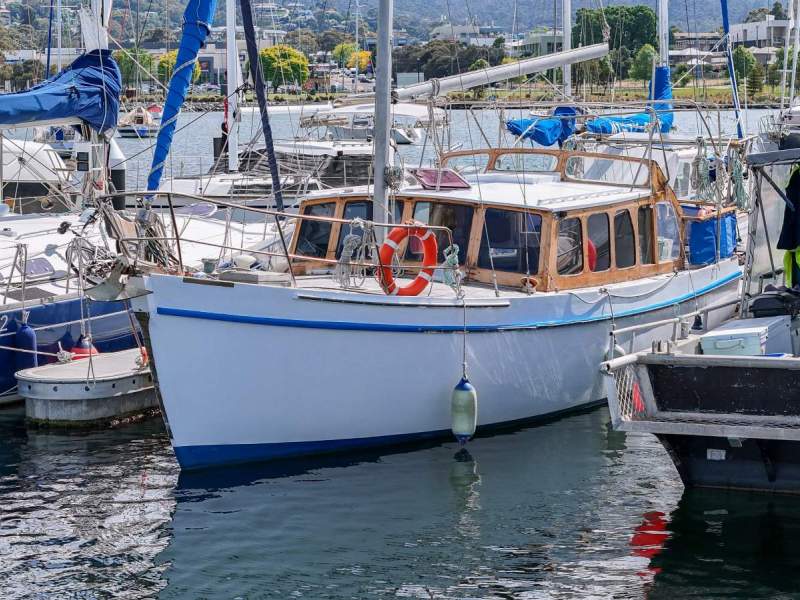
(88,90)
(660,89)
(197,20)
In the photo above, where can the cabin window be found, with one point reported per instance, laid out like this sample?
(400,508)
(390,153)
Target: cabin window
(624,244)
(668,232)
(525,163)
(510,241)
(569,260)
(360,209)
(607,170)
(646,235)
(456,217)
(599,242)
(469,163)
(683,179)
(314,235)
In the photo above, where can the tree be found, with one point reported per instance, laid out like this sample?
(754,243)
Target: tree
(131,71)
(166,65)
(282,65)
(302,39)
(679,74)
(773,76)
(364,57)
(756,15)
(755,80)
(479,64)
(342,52)
(743,62)
(499,42)
(630,27)
(642,66)
(328,40)
(778,12)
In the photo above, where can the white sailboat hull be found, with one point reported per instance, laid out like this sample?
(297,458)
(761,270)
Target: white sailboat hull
(302,371)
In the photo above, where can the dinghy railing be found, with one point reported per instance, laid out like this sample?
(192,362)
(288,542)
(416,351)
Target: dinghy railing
(133,246)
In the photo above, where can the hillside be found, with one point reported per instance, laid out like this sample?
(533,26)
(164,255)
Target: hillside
(420,15)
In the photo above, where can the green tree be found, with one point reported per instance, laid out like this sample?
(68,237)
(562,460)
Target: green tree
(499,42)
(131,71)
(642,66)
(283,65)
(342,52)
(755,80)
(773,76)
(302,39)
(166,65)
(479,64)
(778,12)
(679,76)
(630,28)
(743,62)
(328,40)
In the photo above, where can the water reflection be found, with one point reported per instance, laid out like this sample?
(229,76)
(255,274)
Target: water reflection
(534,513)
(83,513)
(730,545)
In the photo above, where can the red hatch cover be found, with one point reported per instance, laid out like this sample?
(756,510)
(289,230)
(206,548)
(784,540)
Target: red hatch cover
(441,179)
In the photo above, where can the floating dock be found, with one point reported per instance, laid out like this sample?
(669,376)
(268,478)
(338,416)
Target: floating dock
(116,389)
(728,422)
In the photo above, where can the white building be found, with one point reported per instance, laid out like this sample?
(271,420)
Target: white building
(769,32)
(472,35)
(536,43)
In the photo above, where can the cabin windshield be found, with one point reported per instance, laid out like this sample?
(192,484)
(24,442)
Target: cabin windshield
(601,169)
(467,164)
(525,162)
(510,241)
(314,236)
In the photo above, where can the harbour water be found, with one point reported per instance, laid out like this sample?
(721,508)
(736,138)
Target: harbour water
(568,509)
(565,509)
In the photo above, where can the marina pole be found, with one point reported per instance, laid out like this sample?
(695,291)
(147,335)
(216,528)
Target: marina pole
(232,79)
(566,44)
(383,120)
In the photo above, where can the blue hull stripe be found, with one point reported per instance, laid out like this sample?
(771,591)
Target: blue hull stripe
(198,457)
(424,328)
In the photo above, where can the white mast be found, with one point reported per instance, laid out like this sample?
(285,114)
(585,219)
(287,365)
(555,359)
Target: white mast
(383,93)
(663,31)
(566,43)
(233,84)
(58,35)
(792,25)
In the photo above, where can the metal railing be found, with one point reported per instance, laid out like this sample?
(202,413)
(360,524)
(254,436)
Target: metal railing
(135,247)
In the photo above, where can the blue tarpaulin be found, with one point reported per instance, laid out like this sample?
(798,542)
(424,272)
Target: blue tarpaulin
(546,131)
(660,89)
(197,20)
(88,89)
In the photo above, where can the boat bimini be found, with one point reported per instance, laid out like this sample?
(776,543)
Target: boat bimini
(516,279)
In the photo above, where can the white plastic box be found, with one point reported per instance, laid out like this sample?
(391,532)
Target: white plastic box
(750,337)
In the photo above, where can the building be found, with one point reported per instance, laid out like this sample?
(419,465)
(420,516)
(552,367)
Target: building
(536,43)
(760,34)
(704,41)
(472,35)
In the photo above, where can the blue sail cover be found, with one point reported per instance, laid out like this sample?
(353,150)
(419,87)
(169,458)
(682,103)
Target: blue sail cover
(660,89)
(546,131)
(88,89)
(197,20)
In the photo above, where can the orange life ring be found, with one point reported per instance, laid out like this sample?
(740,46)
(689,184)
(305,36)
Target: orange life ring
(392,245)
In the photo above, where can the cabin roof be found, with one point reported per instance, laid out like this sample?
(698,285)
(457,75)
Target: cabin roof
(542,191)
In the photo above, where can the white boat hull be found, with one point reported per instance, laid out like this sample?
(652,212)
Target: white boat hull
(364,373)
